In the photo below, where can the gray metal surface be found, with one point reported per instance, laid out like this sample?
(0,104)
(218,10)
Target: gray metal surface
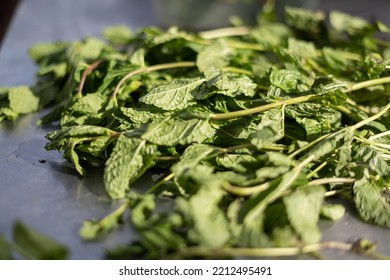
(43,191)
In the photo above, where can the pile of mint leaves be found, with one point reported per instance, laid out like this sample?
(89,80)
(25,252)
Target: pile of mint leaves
(252,130)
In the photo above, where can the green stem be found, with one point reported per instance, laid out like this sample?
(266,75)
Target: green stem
(167,158)
(148,69)
(315,171)
(246,191)
(262,252)
(332,193)
(379,135)
(263,108)
(84,76)
(369,83)
(160,183)
(372,118)
(326,181)
(237,70)
(230,43)
(238,147)
(224,32)
(353,127)
(305,98)
(107,221)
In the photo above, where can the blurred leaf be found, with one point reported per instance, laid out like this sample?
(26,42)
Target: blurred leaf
(34,245)
(372,199)
(303,209)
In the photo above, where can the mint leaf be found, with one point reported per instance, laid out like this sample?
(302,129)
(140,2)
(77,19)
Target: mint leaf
(332,212)
(22,100)
(174,131)
(234,85)
(34,245)
(303,208)
(304,19)
(212,58)
(5,249)
(372,200)
(118,35)
(270,129)
(177,95)
(352,25)
(209,226)
(290,81)
(129,159)
(41,51)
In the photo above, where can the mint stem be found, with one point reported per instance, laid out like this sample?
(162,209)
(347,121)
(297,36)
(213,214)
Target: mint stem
(85,74)
(160,183)
(224,32)
(148,69)
(263,252)
(369,83)
(262,108)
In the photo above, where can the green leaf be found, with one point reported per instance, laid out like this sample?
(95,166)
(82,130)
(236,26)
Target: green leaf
(371,67)
(70,153)
(130,118)
(91,48)
(302,48)
(258,202)
(236,162)
(177,95)
(118,34)
(138,57)
(209,225)
(5,249)
(316,119)
(34,245)
(333,91)
(234,85)
(330,143)
(158,233)
(304,19)
(193,155)
(95,229)
(373,159)
(212,59)
(290,81)
(270,129)
(174,131)
(95,147)
(79,131)
(344,158)
(372,199)
(8,114)
(353,25)
(337,60)
(58,69)
(252,213)
(303,208)
(142,210)
(87,104)
(22,100)
(271,34)
(154,36)
(41,51)
(332,212)
(129,159)
(3,93)
(252,233)
(115,74)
